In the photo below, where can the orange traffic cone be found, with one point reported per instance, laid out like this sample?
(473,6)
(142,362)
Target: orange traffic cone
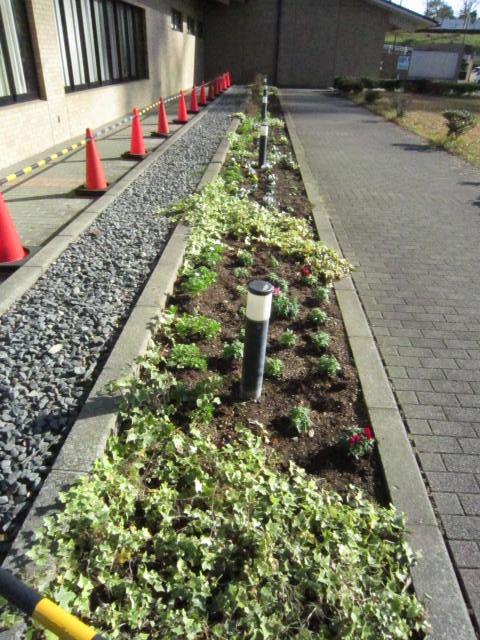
(224,82)
(137,148)
(217,87)
(203,97)
(163,130)
(95,183)
(182,117)
(229,79)
(211,91)
(11,249)
(193,101)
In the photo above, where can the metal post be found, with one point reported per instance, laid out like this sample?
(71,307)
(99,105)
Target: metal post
(262,145)
(259,305)
(265,103)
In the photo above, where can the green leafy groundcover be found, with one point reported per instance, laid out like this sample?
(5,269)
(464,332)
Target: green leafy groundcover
(175,536)
(182,533)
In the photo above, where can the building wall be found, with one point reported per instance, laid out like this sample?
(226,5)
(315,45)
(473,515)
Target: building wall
(361,34)
(175,60)
(318,39)
(241,38)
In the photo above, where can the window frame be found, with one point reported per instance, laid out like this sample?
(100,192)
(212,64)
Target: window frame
(130,67)
(33,93)
(191,26)
(176,20)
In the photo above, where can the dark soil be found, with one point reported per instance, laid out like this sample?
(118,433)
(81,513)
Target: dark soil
(336,403)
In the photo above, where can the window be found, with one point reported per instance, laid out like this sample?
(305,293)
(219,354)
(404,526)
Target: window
(18,80)
(101,42)
(200,29)
(190,26)
(177,20)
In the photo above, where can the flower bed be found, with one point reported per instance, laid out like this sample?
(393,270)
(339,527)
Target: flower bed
(213,518)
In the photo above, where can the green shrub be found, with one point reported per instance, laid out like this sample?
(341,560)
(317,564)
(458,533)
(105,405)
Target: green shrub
(371,96)
(317,316)
(186,356)
(211,255)
(233,350)
(320,293)
(196,326)
(273,368)
(198,281)
(300,419)
(458,121)
(328,366)
(287,339)
(284,307)
(347,84)
(244,258)
(241,272)
(321,340)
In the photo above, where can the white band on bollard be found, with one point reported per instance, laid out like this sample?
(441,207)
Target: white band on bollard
(265,100)
(264,130)
(259,304)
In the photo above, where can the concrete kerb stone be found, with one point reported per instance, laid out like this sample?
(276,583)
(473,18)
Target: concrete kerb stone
(433,577)
(88,436)
(25,277)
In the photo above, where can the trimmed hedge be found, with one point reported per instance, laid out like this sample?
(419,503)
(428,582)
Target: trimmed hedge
(347,84)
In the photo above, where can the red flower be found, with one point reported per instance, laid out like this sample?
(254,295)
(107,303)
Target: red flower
(276,291)
(354,439)
(306,271)
(367,432)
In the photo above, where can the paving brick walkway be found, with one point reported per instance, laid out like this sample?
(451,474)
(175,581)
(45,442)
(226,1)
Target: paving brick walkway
(408,218)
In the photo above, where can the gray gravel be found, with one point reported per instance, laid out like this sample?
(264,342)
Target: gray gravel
(56,337)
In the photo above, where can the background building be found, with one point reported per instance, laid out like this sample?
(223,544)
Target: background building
(69,64)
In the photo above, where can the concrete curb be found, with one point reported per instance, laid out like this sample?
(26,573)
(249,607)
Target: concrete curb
(433,577)
(25,277)
(88,437)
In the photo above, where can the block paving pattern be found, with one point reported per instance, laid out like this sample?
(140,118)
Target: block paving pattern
(408,218)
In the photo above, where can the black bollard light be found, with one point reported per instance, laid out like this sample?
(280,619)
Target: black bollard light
(259,306)
(262,145)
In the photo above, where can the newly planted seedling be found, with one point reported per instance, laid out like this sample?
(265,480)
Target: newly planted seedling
(285,307)
(321,340)
(300,419)
(186,356)
(196,326)
(328,366)
(198,281)
(317,316)
(287,339)
(273,368)
(233,350)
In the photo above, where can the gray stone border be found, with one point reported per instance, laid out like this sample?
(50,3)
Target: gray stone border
(433,577)
(25,277)
(97,420)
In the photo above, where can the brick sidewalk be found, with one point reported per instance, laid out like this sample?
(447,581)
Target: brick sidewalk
(408,218)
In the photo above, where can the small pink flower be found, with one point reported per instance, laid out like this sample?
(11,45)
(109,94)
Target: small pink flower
(367,432)
(306,271)
(352,441)
(276,291)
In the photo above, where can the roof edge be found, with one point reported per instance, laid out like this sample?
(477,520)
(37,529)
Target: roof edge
(406,14)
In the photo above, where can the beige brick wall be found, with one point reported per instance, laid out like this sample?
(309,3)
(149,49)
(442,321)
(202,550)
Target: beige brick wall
(175,60)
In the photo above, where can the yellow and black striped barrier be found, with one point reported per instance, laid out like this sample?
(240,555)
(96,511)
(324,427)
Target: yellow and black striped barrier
(81,143)
(44,611)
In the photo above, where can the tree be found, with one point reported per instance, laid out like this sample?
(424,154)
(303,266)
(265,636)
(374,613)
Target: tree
(438,10)
(468,12)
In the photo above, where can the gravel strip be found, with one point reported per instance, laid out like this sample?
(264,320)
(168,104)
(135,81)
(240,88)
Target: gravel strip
(56,337)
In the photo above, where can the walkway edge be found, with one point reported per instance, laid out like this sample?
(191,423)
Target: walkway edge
(88,437)
(434,578)
(20,282)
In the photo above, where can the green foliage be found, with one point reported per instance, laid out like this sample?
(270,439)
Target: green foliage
(244,258)
(233,350)
(211,255)
(321,340)
(458,121)
(287,339)
(278,281)
(317,316)
(320,293)
(241,272)
(273,368)
(328,366)
(371,96)
(214,213)
(283,140)
(198,281)
(274,263)
(186,356)
(241,290)
(285,307)
(196,326)
(300,419)
(347,84)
